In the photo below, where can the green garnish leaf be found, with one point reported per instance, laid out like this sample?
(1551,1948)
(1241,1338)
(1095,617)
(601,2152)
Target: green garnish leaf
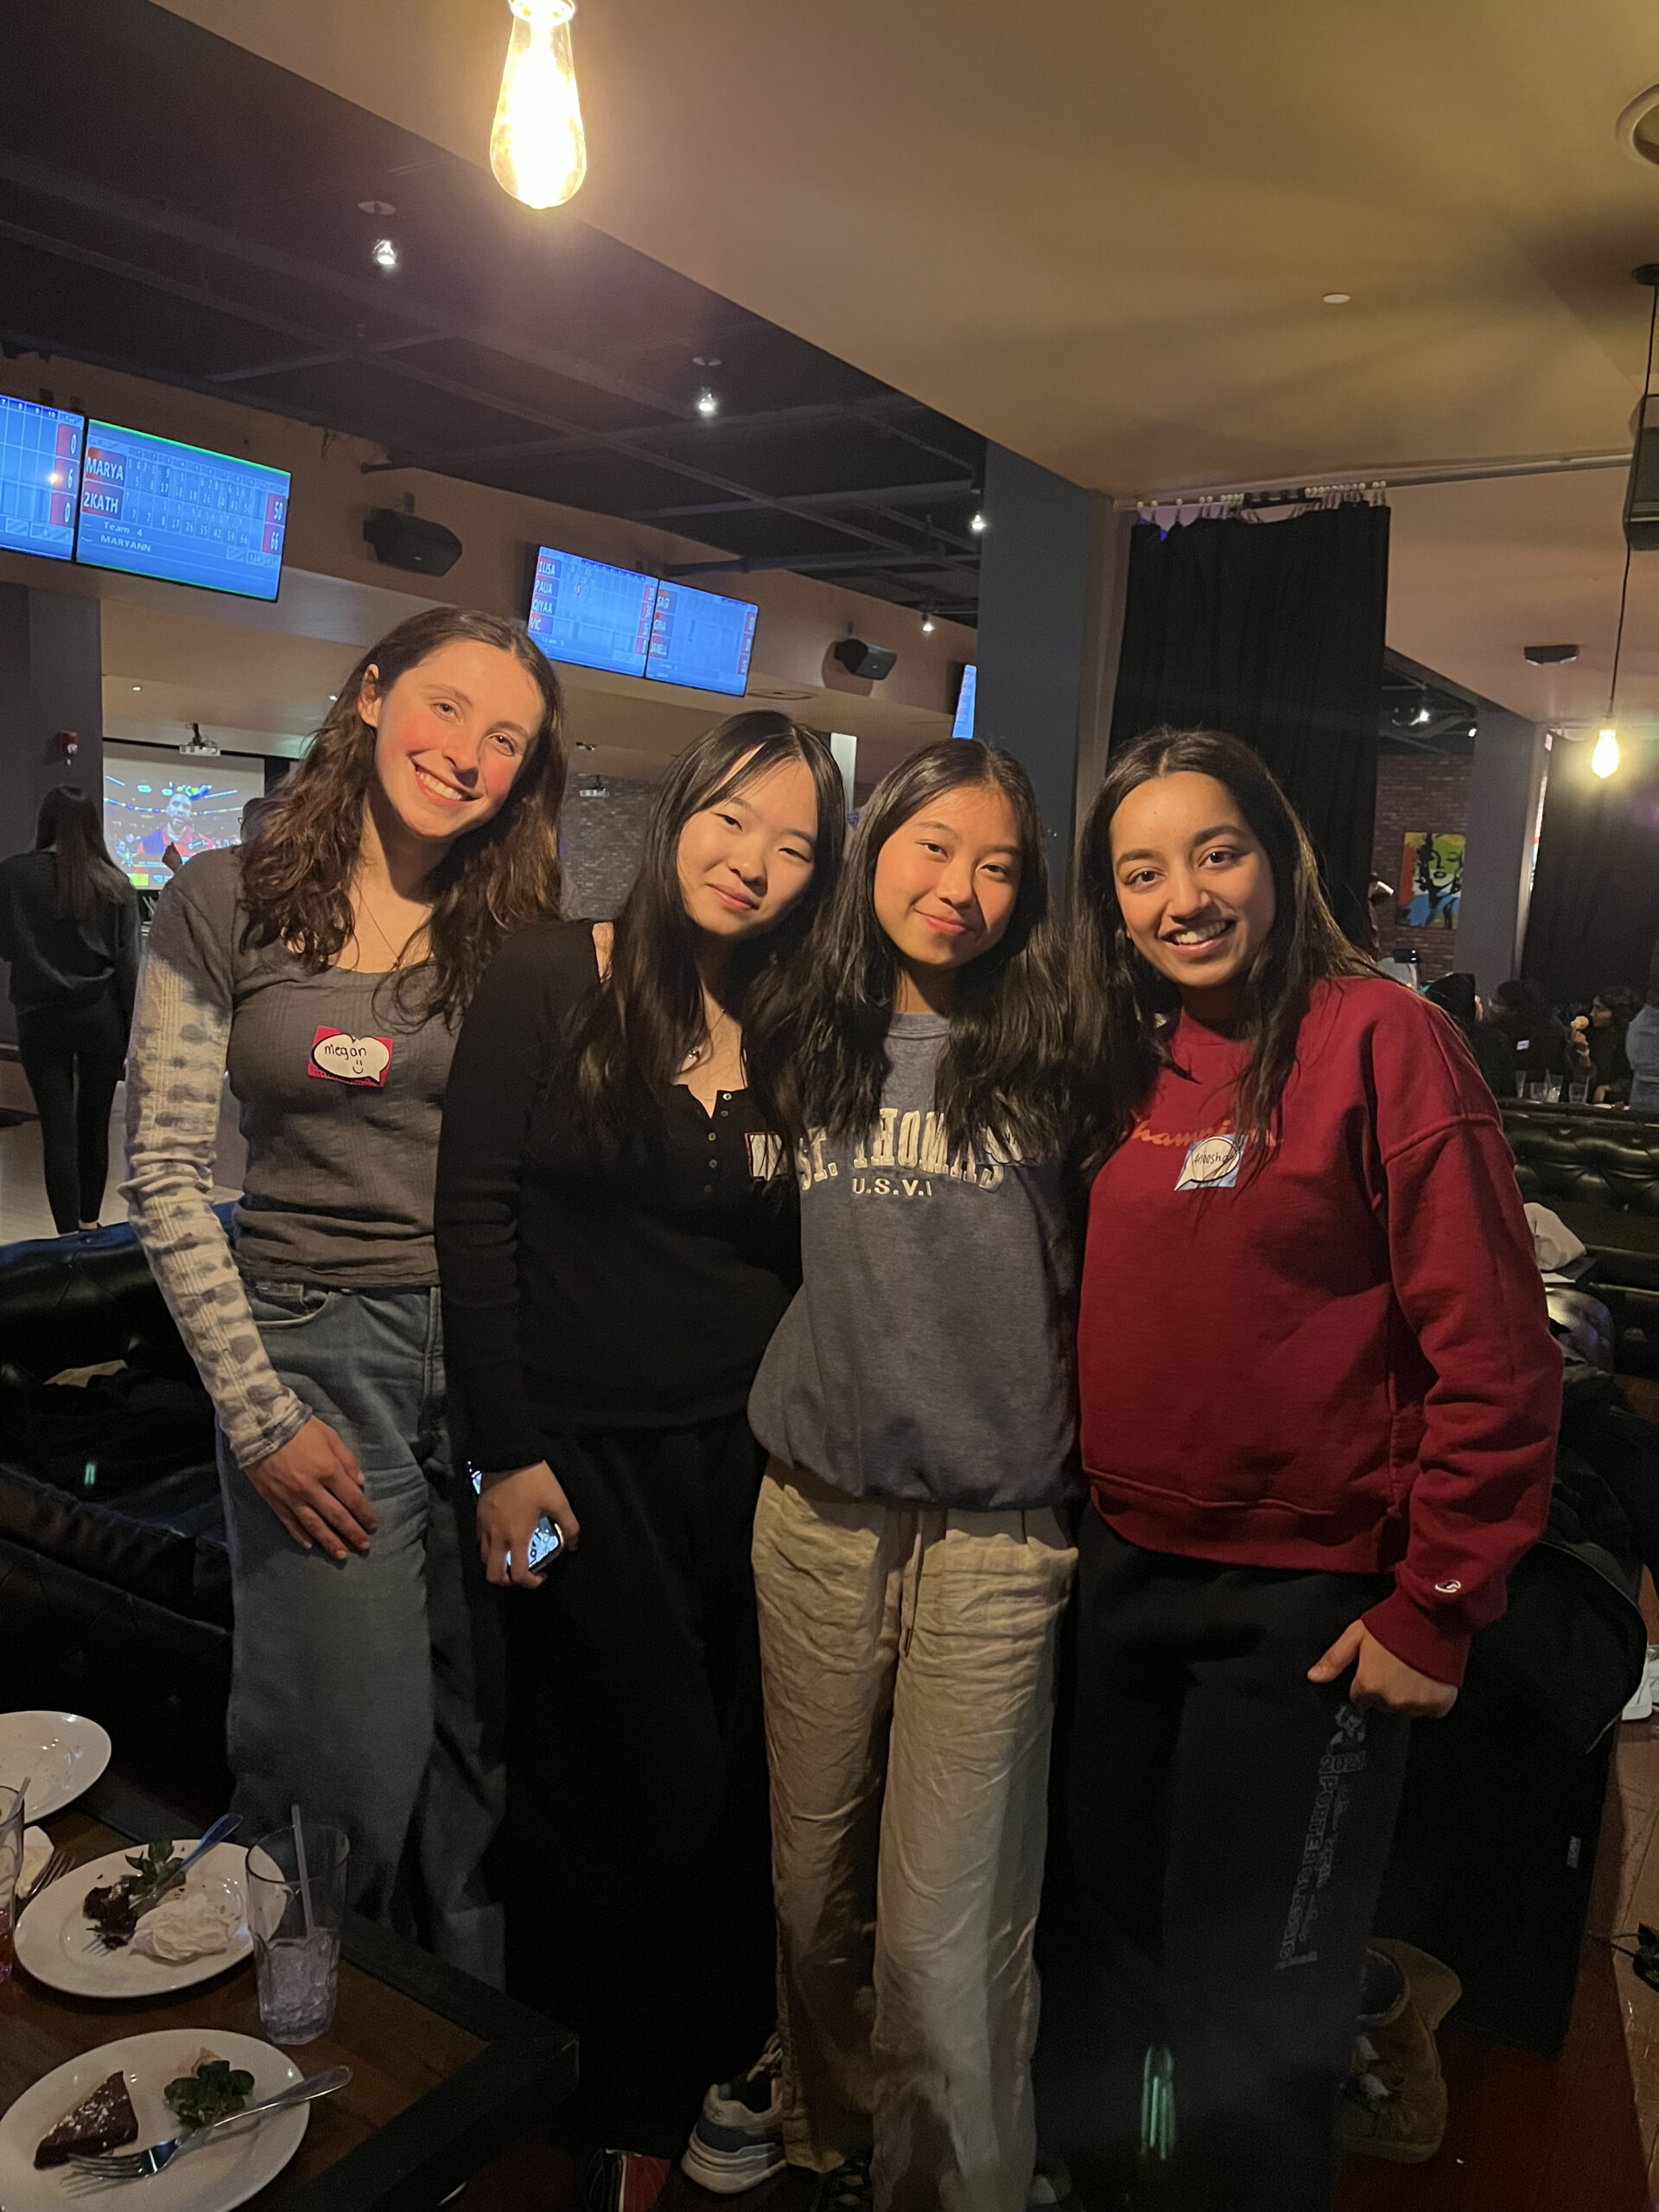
(214,2092)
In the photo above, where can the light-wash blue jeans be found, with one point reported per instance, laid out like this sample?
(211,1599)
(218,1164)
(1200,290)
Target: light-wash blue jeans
(355,1685)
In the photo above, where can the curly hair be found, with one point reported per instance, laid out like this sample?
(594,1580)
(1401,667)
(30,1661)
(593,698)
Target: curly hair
(298,869)
(1124,1009)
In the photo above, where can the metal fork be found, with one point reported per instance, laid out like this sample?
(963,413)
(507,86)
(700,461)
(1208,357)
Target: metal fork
(56,1864)
(144,1900)
(135,2165)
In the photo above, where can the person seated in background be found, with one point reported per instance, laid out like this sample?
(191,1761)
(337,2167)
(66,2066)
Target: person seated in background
(1494,1054)
(1597,1042)
(1523,1013)
(1642,1047)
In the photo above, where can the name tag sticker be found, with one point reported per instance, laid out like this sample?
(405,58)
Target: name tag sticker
(338,1057)
(1212,1164)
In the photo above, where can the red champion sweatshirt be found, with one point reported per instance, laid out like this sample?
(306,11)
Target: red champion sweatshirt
(1334,1355)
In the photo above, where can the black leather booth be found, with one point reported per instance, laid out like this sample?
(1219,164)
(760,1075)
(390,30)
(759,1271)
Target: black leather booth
(1600,1172)
(115,1590)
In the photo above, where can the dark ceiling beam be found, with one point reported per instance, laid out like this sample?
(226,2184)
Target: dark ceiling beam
(292,363)
(385,297)
(399,365)
(876,411)
(889,494)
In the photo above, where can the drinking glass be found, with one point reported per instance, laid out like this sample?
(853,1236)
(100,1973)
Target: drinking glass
(296,1956)
(11,1868)
(1578,1091)
(1521,1085)
(1535,1089)
(1552,1090)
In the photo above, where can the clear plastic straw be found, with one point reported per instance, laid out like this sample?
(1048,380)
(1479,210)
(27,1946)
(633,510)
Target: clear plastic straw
(305,1873)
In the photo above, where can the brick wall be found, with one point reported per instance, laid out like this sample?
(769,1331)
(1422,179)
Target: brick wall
(1419,791)
(601,839)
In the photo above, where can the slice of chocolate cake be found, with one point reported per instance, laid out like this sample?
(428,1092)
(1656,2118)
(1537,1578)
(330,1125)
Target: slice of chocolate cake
(102,2122)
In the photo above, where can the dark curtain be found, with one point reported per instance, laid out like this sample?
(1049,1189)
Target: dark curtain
(1273,631)
(1594,913)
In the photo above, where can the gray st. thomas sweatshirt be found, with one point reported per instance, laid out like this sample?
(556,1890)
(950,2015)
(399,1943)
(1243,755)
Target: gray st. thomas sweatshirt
(927,1358)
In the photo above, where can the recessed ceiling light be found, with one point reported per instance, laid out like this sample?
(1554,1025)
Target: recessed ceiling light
(1337,299)
(137,687)
(383,254)
(333,695)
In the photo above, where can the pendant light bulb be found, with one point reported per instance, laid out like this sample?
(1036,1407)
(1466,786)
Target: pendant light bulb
(1604,758)
(537,148)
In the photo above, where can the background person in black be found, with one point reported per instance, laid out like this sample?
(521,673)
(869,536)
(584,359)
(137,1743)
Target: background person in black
(69,926)
(617,1239)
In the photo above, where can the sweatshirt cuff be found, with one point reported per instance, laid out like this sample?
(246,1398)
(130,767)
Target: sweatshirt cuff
(249,1447)
(1436,1644)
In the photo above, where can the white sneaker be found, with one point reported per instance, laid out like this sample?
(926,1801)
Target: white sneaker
(1641,1697)
(738,2141)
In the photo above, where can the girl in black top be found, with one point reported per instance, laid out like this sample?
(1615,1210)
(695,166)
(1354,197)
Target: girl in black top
(617,1239)
(69,926)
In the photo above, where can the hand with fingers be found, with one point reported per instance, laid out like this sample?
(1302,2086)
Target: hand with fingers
(511,1505)
(1382,1680)
(314,1486)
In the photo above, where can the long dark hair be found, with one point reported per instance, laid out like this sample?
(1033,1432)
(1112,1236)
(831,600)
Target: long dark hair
(632,1038)
(68,822)
(824,1064)
(297,870)
(1124,1007)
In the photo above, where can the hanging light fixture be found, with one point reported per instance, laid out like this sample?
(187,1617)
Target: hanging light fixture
(1605,760)
(537,148)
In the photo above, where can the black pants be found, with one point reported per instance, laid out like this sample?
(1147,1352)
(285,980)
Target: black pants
(72,1055)
(1230,1821)
(636,1855)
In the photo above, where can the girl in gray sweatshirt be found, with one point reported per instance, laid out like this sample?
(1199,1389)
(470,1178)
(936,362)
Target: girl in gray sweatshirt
(912,1550)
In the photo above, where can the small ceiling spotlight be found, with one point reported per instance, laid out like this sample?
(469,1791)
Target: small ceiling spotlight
(706,403)
(708,400)
(383,254)
(1335,299)
(976,522)
(927,621)
(1604,758)
(1422,716)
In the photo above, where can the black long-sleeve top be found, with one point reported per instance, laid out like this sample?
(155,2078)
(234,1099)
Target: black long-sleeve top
(584,1289)
(55,960)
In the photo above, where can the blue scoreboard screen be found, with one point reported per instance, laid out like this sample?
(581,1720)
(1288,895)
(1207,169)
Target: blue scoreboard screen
(590,614)
(964,724)
(39,476)
(152,507)
(699,638)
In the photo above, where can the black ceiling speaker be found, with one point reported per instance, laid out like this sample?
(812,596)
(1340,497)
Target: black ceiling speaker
(861,659)
(410,542)
(1641,493)
(1550,656)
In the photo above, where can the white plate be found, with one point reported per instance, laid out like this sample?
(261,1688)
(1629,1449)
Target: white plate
(223,2173)
(58,1944)
(58,1754)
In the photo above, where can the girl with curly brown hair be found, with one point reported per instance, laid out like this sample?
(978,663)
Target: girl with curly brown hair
(325,966)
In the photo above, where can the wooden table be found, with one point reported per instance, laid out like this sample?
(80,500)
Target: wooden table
(445,2072)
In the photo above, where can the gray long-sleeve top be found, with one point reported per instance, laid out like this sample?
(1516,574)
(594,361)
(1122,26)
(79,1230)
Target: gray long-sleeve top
(927,1358)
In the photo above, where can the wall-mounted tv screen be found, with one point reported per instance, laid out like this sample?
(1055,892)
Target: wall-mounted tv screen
(154,799)
(39,476)
(699,638)
(590,614)
(964,724)
(151,507)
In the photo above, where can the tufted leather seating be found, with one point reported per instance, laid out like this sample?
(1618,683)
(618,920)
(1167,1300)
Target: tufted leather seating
(1600,1173)
(117,1606)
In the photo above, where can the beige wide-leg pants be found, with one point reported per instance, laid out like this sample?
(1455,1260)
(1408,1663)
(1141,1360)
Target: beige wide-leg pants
(908,1661)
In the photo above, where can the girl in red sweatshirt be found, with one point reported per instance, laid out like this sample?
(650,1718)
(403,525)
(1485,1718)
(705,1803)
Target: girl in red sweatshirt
(1319,1400)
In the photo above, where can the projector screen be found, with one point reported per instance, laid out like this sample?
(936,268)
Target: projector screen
(152,507)
(40,478)
(591,614)
(153,797)
(964,724)
(699,638)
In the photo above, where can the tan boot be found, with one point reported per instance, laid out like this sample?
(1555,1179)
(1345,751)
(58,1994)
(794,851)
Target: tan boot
(1394,2099)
